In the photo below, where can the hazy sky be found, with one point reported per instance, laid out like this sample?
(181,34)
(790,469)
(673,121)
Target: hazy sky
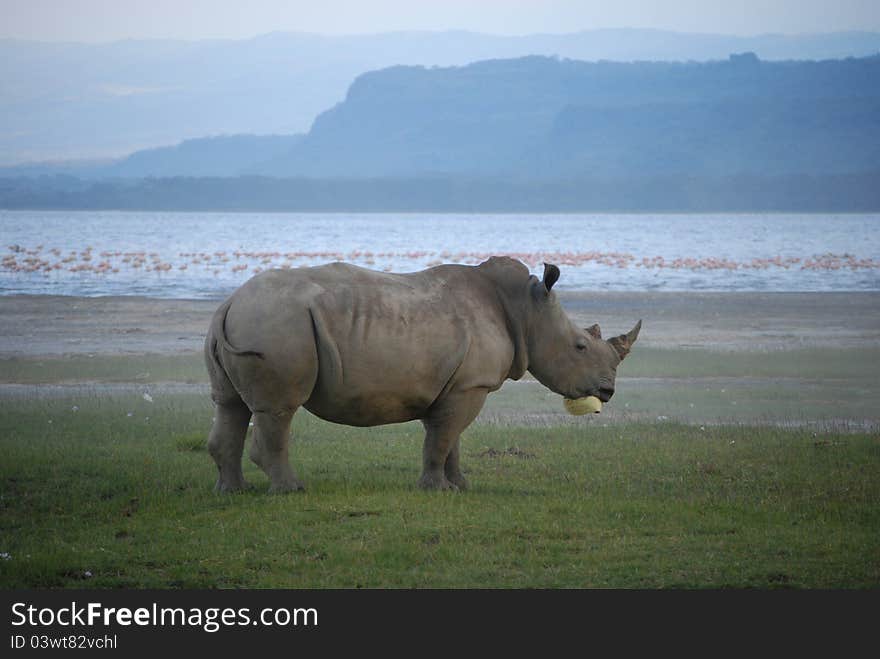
(106,20)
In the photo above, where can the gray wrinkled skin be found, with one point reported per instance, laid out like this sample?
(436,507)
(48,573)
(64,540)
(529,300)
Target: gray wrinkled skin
(365,348)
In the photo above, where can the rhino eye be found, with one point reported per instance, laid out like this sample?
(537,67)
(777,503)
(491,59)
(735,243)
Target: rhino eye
(581,346)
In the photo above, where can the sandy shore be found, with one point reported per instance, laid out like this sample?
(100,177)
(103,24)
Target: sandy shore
(56,325)
(736,321)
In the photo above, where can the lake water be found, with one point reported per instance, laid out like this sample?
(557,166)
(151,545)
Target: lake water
(206,255)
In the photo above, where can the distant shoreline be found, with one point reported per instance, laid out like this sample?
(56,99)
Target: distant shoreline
(634,213)
(791,193)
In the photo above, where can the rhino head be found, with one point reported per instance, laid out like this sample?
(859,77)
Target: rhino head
(567,359)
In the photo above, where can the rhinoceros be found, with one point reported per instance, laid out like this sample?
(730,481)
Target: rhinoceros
(366,348)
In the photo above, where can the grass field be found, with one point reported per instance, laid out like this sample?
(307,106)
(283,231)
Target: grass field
(110,490)
(818,386)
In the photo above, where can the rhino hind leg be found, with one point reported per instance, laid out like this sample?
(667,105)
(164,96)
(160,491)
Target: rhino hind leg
(226,443)
(443,427)
(269,450)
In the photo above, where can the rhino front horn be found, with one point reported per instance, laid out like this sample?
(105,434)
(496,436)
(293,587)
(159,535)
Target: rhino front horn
(623,343)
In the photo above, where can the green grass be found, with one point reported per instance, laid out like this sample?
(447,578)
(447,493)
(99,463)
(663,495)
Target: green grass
(819,405)
(120,489)
(185,367)
(800,387)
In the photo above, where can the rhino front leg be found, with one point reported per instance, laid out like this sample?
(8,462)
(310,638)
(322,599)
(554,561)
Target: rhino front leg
(452,468)
(443,427)
(270,450)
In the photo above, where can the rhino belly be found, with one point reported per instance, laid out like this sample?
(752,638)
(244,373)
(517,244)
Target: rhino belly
(368,408)
(369,383)
(386,346)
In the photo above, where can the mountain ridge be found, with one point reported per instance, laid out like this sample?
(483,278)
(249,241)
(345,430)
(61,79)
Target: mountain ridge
(518,117)
(72,100)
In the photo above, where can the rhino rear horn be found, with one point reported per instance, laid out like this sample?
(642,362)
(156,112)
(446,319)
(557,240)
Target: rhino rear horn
(551,275)
(623,343)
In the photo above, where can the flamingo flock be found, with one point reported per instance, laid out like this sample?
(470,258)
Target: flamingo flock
(46,261)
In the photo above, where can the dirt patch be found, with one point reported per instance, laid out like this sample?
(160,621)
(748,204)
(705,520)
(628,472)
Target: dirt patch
(510,451)
(44,325)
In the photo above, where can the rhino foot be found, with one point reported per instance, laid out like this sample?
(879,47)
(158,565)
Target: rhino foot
(230,486)
(284,488)
(432,481)
(458,480)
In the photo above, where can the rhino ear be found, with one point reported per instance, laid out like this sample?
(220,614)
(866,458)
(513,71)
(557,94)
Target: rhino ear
(594,331)
(623,343)
(551,275)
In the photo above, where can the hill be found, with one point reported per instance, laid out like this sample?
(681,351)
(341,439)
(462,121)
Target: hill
(105,100)
(527,134)
(546,118)
(223,155)
(229,155)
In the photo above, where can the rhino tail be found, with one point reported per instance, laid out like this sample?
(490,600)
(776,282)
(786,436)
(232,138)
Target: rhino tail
(218,330)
